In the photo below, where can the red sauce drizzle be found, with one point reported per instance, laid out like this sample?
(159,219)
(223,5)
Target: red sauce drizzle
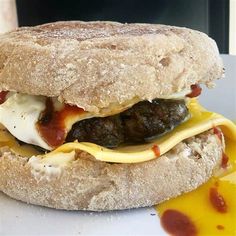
(224,161)
(217,200)
(178,224)
(220,227)
(156,150)
(3,95)
(51,125)
(218,133)
(196,91)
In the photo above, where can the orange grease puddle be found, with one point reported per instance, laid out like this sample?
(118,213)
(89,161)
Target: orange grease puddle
(199,208)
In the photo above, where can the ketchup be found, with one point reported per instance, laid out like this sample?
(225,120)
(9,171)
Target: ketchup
(196,91)
(3,95)
(224,161)
(156,150)
(177,223)
(217,200)
(218,133)
(51,125)
(220,227)
(225,158)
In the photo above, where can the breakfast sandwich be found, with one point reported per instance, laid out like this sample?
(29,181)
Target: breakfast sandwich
(104,116)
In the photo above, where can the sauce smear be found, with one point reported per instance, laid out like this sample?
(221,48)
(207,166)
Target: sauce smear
(224,161)
(196,91)
(177,223)
(156,150)
(51,125)
(217,200)
(220,227)
(3,95)
(218,133)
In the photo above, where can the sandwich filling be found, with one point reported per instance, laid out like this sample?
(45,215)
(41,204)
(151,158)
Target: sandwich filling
(47,123)
(141,123)
(140,133)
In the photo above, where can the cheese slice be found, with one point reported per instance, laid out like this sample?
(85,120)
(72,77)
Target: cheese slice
(201,120)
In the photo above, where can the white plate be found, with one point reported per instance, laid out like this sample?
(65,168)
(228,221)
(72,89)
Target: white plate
(17,218)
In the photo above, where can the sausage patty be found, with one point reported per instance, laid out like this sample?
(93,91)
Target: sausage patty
(138,124)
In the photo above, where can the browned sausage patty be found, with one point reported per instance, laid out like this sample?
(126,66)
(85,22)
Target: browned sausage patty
(143,121)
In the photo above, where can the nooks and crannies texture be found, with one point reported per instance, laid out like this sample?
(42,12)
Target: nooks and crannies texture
(97,64)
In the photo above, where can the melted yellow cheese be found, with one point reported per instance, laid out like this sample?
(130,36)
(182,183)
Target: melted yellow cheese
(196,204)
(200,121)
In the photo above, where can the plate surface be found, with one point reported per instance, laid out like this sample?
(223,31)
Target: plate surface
(17,218)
